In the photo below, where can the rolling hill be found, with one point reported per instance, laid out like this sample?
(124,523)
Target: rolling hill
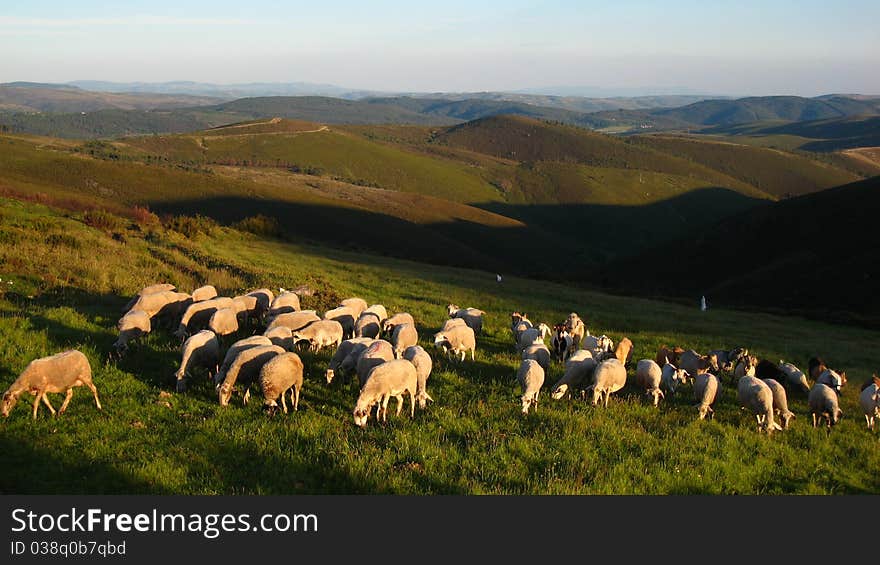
(62,98)
(814,135)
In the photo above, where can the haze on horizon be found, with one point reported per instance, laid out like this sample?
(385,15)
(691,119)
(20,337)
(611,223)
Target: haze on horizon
(802,47)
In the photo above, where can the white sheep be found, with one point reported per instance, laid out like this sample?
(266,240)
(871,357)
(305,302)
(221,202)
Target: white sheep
(576,329)
(518,324)
(531,378)
(368,325)
(284,303)
(394,378)
(608,378)
(375,354)
(672,377)
(533,336)
(539,353)
(756,395)
(416,355)
(223,322)
(389,324)
(342,352)
(600,346)
(824,403)
(157,303)
(452,323)
(869,400)
(293,320)
(794,377)
(694,363)
(150,289)
(281,374)
(832,379)
(405,335)
(578,368)
(649,375)
(745,367)
(245,370)
(282,336)
(320,334)
(203,293)
(780,402)
(345,316)
(132,326)
(471,316)
(201,349)
(355,305)
(457,341)
(57,373)
(377,309)
(198,314)
(707,391)
(235,349)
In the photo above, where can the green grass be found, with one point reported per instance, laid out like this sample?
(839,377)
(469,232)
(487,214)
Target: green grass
(69,282)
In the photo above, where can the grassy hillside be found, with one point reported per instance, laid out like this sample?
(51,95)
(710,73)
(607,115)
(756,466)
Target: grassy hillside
(31,97)
(69,281)
(816,254)
(816,135)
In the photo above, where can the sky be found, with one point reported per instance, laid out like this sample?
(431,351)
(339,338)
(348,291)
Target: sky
(743,47)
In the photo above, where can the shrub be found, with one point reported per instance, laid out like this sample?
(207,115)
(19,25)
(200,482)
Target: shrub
(266,226)
(102,220)
(192,226)
(143,217)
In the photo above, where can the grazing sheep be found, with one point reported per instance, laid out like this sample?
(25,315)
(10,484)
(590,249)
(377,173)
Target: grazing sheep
(624,350)
(576,329)
(869,400)
(832,379)
(745,367)
(794,377)
(394,378)
(264,298)
(768,370)
(518,324)
(282,336)
(780,402)
(458,340)
(471,316)
(423,364)
(281,374)
(245,308)
(452,323)
(539,353)
(368,325)
(599,346)
(562,343)
(57,373)
(244,370)
(201,349)
(694,363)
(345,316)
(223,322)
(823,403)
(320,334)
(578,367)
(284,303)
(198,314)
(669,355)
(156,303)
(389,324)
(342,352)
(235,349)
(151,289)
(294,320)
(349,363)
(375,354)
(727,360)
(355,305)
(132,326)
(405,335)
(378,310)
(756,395)
(531,378)
(649,375)
(608,378)
(533,336)
(203,293)
(707,391)
(671,377)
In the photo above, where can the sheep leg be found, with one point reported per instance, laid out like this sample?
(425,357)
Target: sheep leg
(283,402)
(399,399)
(472,354)
(37,399)
(66,401)
(247,396)
(412,405)
(814,419)
(294,399)
(94,390)
(48,404)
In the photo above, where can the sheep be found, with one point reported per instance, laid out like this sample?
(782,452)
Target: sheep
(378,310)
(154,303)
(518,324)
(282,336)
(745,367)
(245,369)
(345,316)
(284,303)
(458,340)
(320,334)
(349,363)
(794,377)
(132,326)
(765,369)
(198,314)
(823,403)
(609,377)
(452,323)
(623,352)
(669,355)
(57,373)
(389,324)
(562,343)
(355,305)
(235,349)
(471,316)
(394,378)
(203,293)
(201,349)
(780,402)
(649,375)
(245,308)
(264,297)
(405,335)
(416,355)
(368,325)
(375,354)
(694,363)
(578,367)
(815,367)
(151,289)
(707,391)
(539,353)
(278,375)
(533,336)
(727,360)
(176,304)
(531,378)
(223,322)
(756,395)
(671,377)
(294,320)
(832,379)
(576,329)
(869,400)
(344,349)
(599,346)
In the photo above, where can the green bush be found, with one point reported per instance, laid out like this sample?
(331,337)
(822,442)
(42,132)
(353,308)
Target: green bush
(266,226)
(102,220)
(192,226)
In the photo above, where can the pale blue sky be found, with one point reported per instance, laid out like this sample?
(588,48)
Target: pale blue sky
(744,47)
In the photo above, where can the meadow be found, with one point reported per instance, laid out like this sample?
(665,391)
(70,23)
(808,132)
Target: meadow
(67,273)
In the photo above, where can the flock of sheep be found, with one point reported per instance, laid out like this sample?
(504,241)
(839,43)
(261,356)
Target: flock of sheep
(382,351)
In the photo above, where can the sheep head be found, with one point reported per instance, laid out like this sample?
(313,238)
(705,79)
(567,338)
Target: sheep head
(9,401)
(330,374)
(559,392)
(452,309)
(423,398)
(224,394)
